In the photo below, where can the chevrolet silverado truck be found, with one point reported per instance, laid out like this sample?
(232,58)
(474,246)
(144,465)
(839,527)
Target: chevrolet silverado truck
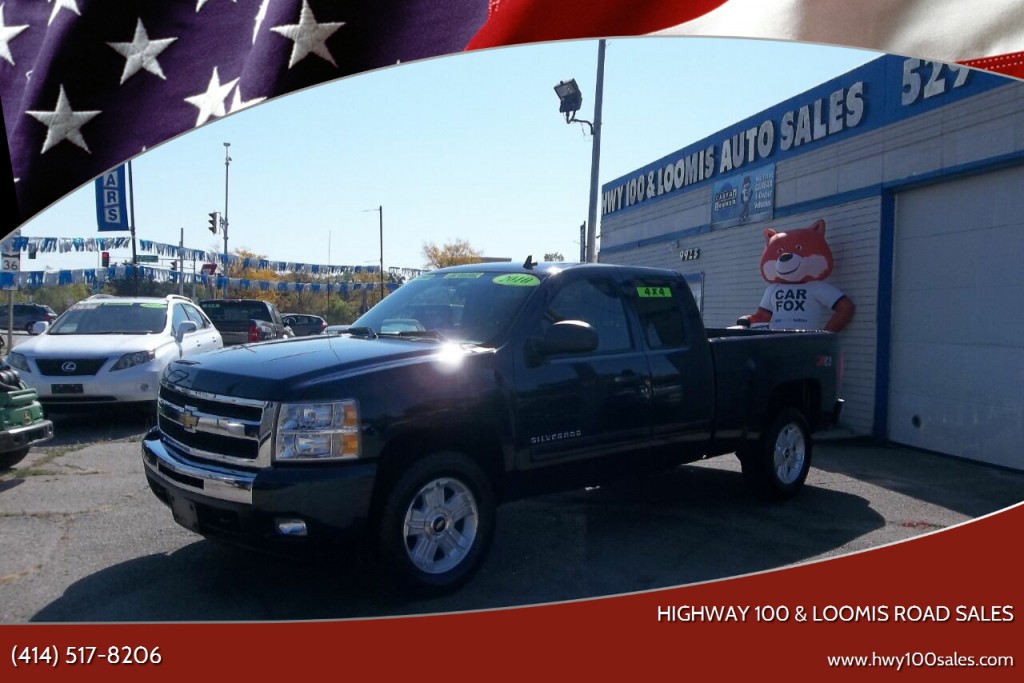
(241,321)
(471,386)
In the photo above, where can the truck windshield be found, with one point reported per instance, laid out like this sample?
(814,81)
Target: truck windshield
(460,306)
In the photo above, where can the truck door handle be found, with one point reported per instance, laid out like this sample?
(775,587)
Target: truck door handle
(629,378)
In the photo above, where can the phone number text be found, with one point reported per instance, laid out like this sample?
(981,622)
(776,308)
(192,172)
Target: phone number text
(79,655)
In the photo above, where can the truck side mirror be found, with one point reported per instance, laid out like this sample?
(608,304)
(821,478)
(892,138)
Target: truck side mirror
(40,326)
(184,327)
(569,336)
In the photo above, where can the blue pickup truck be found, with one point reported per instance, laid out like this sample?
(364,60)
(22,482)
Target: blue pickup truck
(471,386)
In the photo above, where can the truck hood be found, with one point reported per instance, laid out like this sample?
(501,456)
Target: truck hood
(289,368)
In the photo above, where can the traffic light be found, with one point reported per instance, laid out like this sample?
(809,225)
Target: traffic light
(214,222)
(105,259)
(174,265)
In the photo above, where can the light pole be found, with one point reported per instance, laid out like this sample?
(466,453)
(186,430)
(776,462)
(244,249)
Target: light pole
(570,100)
(224,221)
(327,311)
(380,211)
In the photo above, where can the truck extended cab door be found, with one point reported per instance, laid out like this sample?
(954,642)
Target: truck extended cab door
(682,373)
(585,404)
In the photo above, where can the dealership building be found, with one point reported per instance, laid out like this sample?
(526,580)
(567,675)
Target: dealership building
(917,169)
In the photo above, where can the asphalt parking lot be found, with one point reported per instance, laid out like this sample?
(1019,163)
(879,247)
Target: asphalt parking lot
(82,539)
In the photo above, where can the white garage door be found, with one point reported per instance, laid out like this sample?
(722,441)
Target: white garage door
(957,363)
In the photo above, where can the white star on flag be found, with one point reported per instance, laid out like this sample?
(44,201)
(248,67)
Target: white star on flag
(141,53)
(63,123)
(7,34)
(237,104)
(211,102)
(261,14)
(200,3)
(63,4)
(309,36)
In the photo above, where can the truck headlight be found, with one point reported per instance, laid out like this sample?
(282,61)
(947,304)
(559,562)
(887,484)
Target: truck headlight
(130,360)
(317,431)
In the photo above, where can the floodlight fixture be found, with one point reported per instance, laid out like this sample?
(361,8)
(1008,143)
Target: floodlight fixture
(570,99)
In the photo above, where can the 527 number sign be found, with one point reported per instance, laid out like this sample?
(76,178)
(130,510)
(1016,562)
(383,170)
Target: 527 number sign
(924,79)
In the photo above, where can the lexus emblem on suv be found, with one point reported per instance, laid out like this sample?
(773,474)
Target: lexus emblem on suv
(69,367)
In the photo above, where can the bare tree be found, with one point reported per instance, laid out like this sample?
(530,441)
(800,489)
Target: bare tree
(449,254)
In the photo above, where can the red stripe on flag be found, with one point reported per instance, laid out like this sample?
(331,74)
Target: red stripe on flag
(527,21)
(1009,65)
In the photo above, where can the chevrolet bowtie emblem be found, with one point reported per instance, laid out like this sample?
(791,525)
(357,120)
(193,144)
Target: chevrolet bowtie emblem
(189,420)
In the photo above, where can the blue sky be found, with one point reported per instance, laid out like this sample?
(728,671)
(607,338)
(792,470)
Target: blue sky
(463,147)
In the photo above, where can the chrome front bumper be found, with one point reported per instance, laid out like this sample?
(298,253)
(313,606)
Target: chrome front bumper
(206,480)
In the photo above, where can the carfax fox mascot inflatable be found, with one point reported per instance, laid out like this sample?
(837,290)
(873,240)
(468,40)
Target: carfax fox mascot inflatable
(795,263)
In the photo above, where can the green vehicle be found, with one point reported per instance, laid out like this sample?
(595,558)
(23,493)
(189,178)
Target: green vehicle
(22,424)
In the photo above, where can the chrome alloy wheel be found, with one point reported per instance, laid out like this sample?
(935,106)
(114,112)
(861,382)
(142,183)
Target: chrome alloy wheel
(790,453)
(440,525)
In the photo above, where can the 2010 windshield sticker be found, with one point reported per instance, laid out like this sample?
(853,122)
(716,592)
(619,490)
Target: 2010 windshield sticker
(517,280)
(423,277)
(654,292)
(462,276)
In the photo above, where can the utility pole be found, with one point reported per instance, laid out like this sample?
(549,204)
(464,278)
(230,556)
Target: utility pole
(227,165)
(380,210)
(181,262)
(131,211)
(595,160)
(327,312)
(570,100)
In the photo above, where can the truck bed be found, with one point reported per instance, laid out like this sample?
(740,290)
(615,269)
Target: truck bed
(752,367)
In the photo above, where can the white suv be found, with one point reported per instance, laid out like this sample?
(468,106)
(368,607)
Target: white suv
(109,349)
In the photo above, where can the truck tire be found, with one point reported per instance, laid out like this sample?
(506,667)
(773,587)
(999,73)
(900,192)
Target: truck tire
(12,458)
(777,465)
(437,523)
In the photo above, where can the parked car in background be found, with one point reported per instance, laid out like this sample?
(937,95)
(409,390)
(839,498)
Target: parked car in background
(106,349)
(26,315)
(241,321)
(303,324)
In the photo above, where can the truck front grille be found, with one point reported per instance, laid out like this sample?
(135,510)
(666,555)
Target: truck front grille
(218,429)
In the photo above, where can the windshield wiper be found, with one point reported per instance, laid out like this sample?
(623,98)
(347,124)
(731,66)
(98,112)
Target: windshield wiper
(423,334)
(361,332)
